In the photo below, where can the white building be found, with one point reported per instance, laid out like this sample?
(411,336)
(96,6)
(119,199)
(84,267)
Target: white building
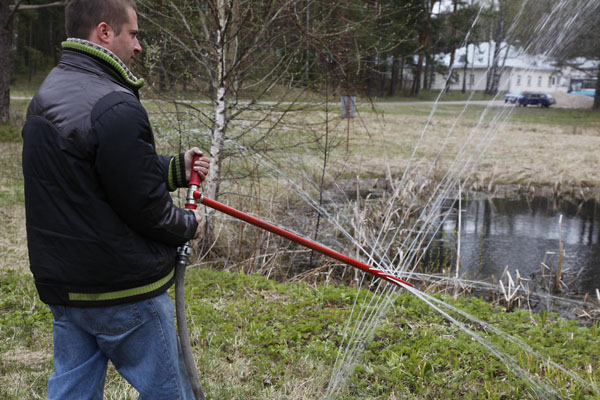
(519,71)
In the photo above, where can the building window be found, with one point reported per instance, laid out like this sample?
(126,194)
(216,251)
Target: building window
(549,81)
(518,80)
(471,79)
(528,80)
(539,81)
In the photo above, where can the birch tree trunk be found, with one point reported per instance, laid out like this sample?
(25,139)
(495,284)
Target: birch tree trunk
(220,112)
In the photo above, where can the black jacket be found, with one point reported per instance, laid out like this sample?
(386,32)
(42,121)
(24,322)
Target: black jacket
(101,226)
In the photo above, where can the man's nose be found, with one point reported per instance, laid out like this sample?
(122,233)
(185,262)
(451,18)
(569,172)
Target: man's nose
(137,47)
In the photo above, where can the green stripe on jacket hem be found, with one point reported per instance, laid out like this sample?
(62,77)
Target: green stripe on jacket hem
(120,294)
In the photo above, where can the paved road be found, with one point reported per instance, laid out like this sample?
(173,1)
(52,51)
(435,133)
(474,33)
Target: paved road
(459,102)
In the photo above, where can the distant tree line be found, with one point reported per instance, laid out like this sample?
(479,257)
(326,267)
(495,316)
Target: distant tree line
(369,47)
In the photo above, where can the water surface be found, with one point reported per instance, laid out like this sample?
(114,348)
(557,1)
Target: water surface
(521,233)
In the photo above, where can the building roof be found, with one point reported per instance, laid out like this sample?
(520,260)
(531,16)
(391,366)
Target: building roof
(584,64)
(480,55)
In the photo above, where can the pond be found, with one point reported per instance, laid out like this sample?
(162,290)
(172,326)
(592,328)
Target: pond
(521,234)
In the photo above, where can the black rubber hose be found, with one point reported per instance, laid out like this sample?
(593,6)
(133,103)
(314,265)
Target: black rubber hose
(182,329)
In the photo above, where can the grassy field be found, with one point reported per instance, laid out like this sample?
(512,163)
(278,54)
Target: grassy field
(534,147)
(255,338)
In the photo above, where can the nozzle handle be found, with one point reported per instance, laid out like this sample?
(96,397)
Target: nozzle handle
(194,176)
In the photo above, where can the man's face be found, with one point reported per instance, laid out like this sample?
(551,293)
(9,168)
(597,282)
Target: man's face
(126,45)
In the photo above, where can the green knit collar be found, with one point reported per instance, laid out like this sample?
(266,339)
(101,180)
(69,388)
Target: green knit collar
(105,55)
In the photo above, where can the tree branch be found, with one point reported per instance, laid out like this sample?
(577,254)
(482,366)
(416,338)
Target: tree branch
(18,7)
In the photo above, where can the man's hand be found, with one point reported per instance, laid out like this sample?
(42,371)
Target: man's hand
(201,166)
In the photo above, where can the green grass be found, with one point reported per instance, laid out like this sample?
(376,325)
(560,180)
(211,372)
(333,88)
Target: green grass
(524,116)
(254,338)
(11,193)
(9,133)
(556,116)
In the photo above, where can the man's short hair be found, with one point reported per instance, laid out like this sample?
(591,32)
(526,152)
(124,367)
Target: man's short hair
(82,16)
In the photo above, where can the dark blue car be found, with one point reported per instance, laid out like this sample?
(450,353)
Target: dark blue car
(536,99)
(512,97)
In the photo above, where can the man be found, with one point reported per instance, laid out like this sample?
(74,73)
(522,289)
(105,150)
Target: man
(102,229)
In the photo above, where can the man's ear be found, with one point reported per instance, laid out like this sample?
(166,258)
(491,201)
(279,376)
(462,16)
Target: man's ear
(102,34)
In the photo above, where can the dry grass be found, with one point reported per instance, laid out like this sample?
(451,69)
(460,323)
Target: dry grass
(13,246)
(537,154)
(546,155)
(534,147)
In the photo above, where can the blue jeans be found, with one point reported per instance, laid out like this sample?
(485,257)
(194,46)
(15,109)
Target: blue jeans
(138,338)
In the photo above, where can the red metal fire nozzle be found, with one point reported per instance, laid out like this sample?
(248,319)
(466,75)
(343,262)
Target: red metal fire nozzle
(195,194)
